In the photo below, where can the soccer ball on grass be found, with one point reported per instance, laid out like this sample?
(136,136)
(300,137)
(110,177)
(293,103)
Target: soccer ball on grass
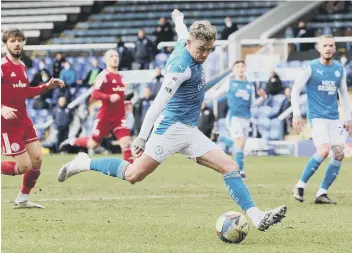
(232,227)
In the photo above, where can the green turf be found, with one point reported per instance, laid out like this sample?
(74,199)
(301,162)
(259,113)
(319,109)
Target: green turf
(173,210)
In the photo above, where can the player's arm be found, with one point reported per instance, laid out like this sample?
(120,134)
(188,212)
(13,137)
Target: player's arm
(97,93)
(52,84)
(180,27)
(171,83)
(298,86)
(213,95)
(256,101)
(345,102)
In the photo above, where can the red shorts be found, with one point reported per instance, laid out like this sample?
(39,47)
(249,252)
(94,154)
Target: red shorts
(103,128)
(13,142)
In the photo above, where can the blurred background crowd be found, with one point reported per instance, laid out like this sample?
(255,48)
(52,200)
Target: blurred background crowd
(137,28)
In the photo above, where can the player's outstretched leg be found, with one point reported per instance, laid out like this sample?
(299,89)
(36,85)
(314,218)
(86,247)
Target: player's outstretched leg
(311,167)
(330,175)
(218,160)
(109,166)
(114,167)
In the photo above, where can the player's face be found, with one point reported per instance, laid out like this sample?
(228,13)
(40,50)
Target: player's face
(15,46)
(327,48)
(112,59)
(200,50)
(239,69)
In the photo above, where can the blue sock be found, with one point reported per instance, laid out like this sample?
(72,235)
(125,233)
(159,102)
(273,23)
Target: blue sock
(311,167)
(114,167)
(238,190)
(239,158)
(331,173)
(229,142)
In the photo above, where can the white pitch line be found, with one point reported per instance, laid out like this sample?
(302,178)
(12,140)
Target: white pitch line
(121,198)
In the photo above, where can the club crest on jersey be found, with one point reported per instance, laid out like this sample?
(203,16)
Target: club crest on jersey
(337,73)
(329,86)
(19,85)
(15,147)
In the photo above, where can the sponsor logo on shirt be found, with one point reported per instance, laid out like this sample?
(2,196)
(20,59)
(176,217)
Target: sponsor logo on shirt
(19,85)
(241,93)
(329,86)
(118,88)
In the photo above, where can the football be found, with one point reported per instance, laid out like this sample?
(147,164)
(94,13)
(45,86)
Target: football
(232,227)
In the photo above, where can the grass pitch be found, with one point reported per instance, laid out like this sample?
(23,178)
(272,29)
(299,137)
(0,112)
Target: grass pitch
(173,210)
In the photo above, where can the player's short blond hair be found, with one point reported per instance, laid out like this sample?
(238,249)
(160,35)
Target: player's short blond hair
(12,32)
(325,36)
(202,30)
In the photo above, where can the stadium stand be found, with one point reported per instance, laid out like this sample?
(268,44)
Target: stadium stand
(125,18)
(42,20)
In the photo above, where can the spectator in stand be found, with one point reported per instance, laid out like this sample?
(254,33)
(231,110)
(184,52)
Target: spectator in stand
(206,120)
(68,75)
(143,50)
(92,74)
(273,87)
(42,76)
(62,119)
(141,107)
(156,82)
(58,64)
(163,32)
(343,59)
(125,56)
(304,32)
(228,28)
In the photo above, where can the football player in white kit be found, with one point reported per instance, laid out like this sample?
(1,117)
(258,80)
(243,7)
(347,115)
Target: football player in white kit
(323,78)
(176,110)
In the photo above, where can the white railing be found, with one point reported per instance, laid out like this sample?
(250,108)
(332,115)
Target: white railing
(280,46)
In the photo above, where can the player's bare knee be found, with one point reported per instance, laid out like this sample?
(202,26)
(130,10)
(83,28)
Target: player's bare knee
(125,144)
(338,151)
(23,168)
(324,151)
(36,161)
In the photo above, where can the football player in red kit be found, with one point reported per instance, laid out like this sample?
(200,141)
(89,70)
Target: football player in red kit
(109,88)
(18,136)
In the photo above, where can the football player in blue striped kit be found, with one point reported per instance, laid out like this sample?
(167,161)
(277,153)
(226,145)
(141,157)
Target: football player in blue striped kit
(176,109)
(322,79)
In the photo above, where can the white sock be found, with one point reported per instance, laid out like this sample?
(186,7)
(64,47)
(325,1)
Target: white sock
(21,197)
(321,191)
(255,214)
(301,184)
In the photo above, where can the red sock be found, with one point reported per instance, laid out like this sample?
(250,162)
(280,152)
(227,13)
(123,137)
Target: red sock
(81,142)
(29,180)
(127,155)
(9,168)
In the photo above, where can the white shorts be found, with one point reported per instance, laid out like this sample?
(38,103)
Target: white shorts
(238,127)
(179,138)
(326,131)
